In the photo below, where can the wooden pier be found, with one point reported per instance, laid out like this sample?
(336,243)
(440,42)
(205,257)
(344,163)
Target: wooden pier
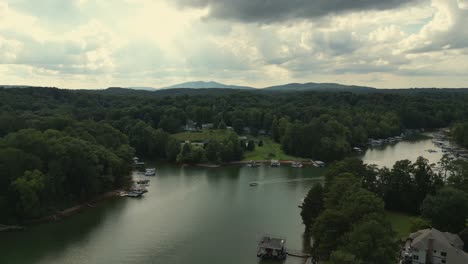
(4,228)
(298,254)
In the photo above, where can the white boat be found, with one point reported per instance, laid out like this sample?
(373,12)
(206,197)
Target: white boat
(253,164)
(356,149)
(275,163)
(319,163)
(150,172)
(297,164)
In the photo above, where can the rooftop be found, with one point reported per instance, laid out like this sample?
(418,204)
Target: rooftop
(442,241)
(272,243)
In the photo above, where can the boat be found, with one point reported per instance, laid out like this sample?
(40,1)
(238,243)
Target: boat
(253,164)
(356,149)
(143,181)
(150,172)
(253,184)
(297,164)
(275,163)
(318,163)
(139,189)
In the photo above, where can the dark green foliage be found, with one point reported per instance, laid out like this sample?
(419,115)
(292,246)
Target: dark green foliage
(172,149)
(405,187)
(352,227)
(460,133)
(447,210)
(464,236)
(458,171)
(213,152)
(40,170)
(190,154)
(418,223)
(222,125)
(238,126)
(312,206)
(250,146)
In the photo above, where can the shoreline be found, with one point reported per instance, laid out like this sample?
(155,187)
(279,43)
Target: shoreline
(73,210)
(244,162)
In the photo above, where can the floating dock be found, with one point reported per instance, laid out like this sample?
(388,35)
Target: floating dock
(5,228)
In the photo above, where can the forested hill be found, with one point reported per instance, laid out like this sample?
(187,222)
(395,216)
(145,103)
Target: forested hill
(207,85)
(320,87)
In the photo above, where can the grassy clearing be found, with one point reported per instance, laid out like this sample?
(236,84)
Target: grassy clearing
(218,135)
(269,150)
(263,153)
(401,223)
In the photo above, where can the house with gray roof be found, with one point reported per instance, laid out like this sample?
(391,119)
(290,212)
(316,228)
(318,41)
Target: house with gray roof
(435,247)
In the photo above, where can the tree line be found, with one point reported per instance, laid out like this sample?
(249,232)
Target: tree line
(346,216)
(59,147)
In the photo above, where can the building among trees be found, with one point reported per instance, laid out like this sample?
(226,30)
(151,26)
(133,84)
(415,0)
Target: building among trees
(435,247)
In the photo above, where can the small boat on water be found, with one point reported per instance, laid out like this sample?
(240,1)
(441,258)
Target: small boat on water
(318,163)
(356,149)
(143,181)
(150,172)
(253,184)
(297,164)
(253,164)
(275,163)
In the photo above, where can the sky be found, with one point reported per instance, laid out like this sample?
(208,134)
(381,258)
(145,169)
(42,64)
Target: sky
(102,43)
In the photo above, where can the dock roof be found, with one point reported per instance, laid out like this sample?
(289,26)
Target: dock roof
(272,243)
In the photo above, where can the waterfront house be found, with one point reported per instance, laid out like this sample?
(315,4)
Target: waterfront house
(434,247)
(207,126)
(190,126)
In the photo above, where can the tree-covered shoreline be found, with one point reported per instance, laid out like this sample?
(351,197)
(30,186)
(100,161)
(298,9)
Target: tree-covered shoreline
(346,216)
(60,147)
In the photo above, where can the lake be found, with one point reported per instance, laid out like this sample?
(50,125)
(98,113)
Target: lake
(190,215)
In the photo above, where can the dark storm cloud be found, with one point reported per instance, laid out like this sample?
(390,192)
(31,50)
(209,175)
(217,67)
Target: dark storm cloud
(277,10)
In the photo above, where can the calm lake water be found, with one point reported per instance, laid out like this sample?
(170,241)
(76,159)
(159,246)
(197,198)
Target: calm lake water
(190,215)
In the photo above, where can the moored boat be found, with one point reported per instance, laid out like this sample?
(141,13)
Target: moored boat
(253,164)
(150,172)
(275,163)
(297,164)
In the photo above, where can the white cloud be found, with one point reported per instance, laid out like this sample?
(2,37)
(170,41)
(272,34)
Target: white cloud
(151,43)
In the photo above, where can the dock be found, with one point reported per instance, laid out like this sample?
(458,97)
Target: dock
(5,228)
(298,254)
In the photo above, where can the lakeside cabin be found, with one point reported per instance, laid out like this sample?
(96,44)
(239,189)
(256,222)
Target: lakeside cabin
(272,248)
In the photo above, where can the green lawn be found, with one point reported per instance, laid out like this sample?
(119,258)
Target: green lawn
(401,223)
(263,153)
(218,135)
(269,150)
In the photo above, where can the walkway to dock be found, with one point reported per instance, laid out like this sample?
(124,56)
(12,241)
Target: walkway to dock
(10,228)
(297,253)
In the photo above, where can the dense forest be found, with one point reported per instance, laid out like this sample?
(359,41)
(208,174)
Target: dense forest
(346,216)
(59,147)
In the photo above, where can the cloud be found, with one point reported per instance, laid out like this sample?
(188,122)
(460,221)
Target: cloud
(80,43)
(447,30)
(279,10)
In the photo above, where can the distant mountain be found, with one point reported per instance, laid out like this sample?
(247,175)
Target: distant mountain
(15,86)
(321,87)
(143,88)
(204,85)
